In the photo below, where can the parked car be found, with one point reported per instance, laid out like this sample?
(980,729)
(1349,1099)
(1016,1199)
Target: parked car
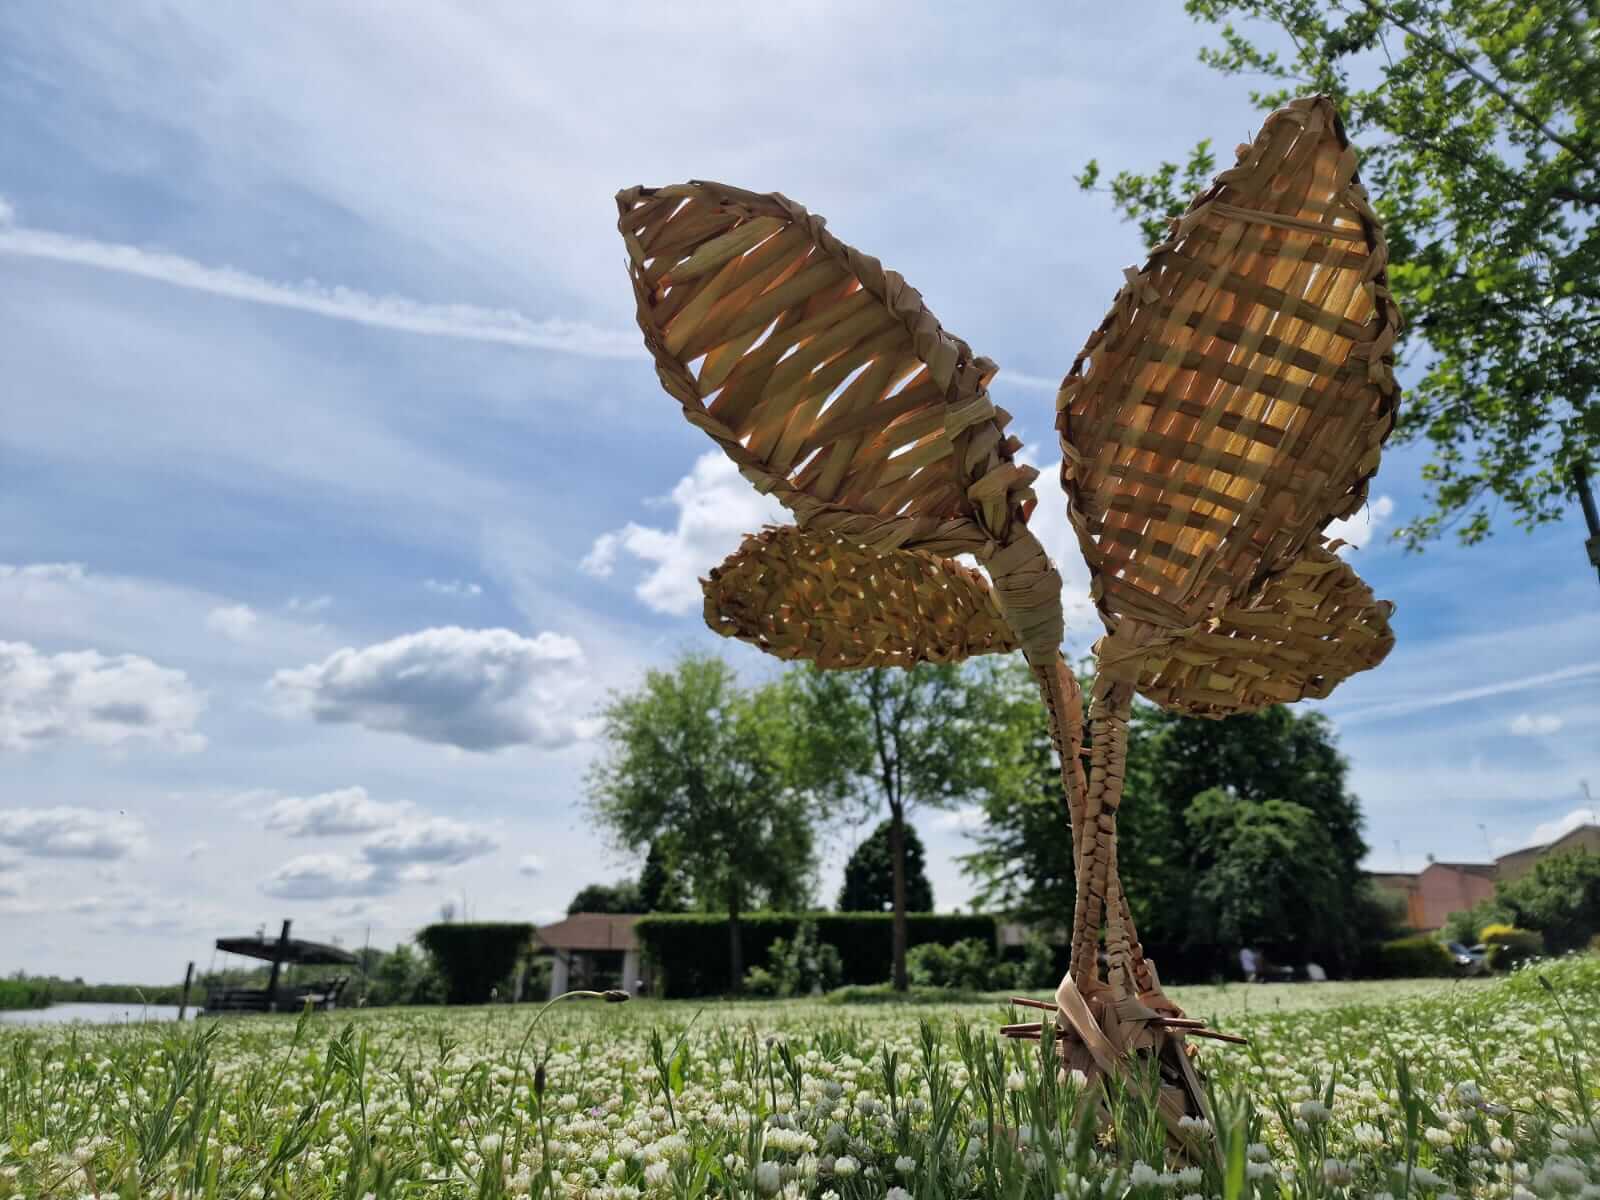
(1470,960)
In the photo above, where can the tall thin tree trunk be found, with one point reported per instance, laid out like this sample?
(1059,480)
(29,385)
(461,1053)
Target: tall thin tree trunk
(735,944)
(897,851)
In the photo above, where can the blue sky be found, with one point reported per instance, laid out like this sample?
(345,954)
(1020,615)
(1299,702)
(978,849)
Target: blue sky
(337,493)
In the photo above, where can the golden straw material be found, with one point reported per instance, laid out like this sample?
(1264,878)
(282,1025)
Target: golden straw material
(1311,628)
(818,597)
(831,386)
(1236,397)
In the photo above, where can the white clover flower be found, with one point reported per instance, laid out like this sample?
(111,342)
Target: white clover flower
(656,1173)
(844,1166)
(768,1178)
(1016,1081)
(1195,1125)
(905,1164)
(1144,1175)
(1560,1175)
(1191,1176)
(897,1193)
(1337,1173)
(1438,1138)
(1257,1152)
(1314,1112)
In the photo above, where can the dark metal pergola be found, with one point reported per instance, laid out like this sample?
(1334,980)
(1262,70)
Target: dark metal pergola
(280,952)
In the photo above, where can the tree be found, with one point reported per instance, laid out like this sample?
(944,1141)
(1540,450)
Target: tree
(696,759)
(1023,863)
(658,885)
(620,897)
(1272,875)
(1560,898)
(869,875)
(1480,140)
(889,738)
(1023,860)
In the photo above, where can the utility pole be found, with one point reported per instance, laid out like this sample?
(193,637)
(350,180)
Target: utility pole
(1580,480)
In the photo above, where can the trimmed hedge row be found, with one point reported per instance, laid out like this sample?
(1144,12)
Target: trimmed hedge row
(689,952)
(1418,957)
(475,957)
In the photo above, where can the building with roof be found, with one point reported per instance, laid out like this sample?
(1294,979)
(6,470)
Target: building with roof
(593,951)
(1439,889)
(1518,863)
(1442,888)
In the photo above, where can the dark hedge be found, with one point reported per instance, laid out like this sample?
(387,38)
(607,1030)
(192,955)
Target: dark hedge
(689,952)
(475,957)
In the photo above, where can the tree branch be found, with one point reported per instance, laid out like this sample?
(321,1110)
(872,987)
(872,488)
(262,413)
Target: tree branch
(1504,93)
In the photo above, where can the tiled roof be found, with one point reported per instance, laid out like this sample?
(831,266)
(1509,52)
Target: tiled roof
(591,931)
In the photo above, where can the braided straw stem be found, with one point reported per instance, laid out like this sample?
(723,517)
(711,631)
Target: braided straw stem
(1097,845)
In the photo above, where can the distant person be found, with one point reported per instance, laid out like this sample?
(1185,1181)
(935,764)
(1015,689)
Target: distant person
(1249,963)
(1315,973)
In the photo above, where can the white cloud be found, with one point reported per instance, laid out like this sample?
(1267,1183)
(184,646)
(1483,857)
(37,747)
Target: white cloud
(1049,524)
(12,884)
(8,214)
(1531,725)
(331,814)
(464,321)
(475,689)
(1500,688)
(1357,529)
(308,604)
(530,864)
(87,696)
(453,587)
(236,621)
(1549,831)
(716,507)
(410,854)
(321,876)
(65,832)
(437,840)
(961,820)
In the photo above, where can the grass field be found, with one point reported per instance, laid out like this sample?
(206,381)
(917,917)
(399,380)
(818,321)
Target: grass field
(1410,1089)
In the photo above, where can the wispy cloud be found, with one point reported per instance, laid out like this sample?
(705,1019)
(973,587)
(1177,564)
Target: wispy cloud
(1499,688)
(464,321)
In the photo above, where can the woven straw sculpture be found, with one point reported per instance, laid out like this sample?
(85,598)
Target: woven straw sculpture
(1232,404)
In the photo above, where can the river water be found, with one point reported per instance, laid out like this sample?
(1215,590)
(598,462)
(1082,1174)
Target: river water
(92,1014)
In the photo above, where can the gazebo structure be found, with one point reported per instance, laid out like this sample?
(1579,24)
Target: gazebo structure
(593,951)
(281,995)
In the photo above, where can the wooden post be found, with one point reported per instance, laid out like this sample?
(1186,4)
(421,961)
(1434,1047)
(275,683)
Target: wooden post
(277,966)
(183,1004)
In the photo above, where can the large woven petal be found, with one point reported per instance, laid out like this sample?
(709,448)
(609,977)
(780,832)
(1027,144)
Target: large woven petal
(830,384)
(1310,629)
(1235,398)
(821,598)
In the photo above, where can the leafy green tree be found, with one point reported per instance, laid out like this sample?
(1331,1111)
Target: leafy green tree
(693,757)
(620,897)
(869,875)
(1023,860)
(1479,126)
(658,885)
(1560,898)
(1271,876)
(888,738)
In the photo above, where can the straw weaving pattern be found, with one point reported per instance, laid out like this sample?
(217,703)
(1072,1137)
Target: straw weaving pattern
(1311,628)
(816,597)
(830,384)
(1236,397)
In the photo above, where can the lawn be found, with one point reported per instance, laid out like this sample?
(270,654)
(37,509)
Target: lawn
(1408,1088)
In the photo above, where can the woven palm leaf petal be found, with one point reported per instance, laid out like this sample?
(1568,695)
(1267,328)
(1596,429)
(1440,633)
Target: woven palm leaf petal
(1310,629)
(828,382)
(1236,397)
(827,600)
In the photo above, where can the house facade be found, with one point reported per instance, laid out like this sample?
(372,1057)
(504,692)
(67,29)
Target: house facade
(1442,888)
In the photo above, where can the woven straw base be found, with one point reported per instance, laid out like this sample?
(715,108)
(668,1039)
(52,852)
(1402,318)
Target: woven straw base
(1104,1036)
